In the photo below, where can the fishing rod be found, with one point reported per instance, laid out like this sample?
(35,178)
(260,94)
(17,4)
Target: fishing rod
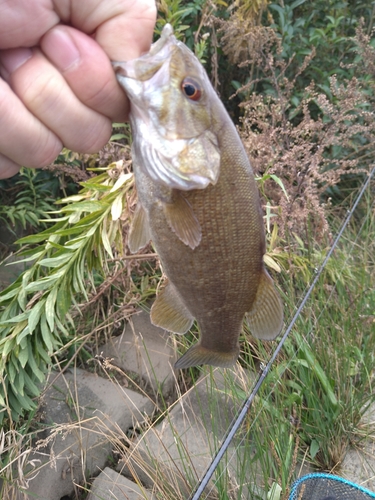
(237,421)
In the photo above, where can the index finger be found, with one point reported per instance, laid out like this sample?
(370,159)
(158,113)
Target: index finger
(123,28)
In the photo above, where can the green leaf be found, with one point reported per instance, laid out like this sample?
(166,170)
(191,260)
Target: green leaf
(41,351)
(35,314)
(12,371)
(297,3)
(20,403)
(117,137)
(314,448)
(23,343)
(33,365)
(56,261)
(46,334)
(78,285)
(315,366)
(73,198)
(45,282)
(22,298)
(280,183)
(63,300)
(69,231)
(274,492)
(16,319)
(21,336)
(34,256)
(50,308)
(8,295)
(37,238)
(121,181)
(30,385)
(61,327)
(23,357)
(84,206)
(15,405)
(105,241)
(19,383)
(116,208)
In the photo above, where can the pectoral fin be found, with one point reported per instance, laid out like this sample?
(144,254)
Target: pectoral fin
(265,318)
(182,220)
(139,234)
(169,312)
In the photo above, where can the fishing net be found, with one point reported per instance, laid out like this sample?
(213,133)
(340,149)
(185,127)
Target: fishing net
(327,487)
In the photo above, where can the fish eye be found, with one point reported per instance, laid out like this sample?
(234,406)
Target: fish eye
(191,89)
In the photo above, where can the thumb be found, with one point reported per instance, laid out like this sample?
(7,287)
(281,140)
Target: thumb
(128,35)
(87,70)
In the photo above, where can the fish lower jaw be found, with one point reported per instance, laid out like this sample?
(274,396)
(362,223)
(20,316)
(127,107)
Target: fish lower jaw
(182,182)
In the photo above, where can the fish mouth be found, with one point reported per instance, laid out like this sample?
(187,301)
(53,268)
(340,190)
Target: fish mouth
(144,67)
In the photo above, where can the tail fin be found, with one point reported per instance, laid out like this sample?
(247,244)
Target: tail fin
(198,355)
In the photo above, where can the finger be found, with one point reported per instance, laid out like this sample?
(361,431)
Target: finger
(22,22)
(124,28)
(7,167)
(23,140)
(87,70)
(46,94)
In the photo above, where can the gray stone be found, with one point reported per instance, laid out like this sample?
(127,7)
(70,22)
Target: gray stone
(10,269)
(85,415)
(179,449)
(359,462)
(9,233)
(145,350)
(110,485)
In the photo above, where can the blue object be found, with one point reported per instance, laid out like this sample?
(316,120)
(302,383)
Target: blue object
(319,486)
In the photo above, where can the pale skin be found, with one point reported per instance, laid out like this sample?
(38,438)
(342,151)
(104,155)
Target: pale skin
(57,85)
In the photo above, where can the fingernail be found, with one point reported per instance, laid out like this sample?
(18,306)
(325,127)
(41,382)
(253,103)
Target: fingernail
(12,59)
(61,49)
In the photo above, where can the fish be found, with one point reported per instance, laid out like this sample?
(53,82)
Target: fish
(199,204)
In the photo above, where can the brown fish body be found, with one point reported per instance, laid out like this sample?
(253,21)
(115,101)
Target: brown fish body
(211,244)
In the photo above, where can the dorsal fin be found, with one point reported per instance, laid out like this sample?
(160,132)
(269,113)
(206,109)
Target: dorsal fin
(265,318)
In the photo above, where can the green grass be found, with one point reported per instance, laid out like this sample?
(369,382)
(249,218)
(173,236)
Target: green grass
(309,410)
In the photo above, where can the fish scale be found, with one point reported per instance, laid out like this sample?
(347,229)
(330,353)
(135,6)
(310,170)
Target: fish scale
(199,205)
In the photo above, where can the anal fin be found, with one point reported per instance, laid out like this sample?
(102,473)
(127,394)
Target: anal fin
(169,312)
(182,220)
(139,234)
(265,318)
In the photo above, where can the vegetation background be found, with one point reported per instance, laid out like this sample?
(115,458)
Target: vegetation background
(298,79)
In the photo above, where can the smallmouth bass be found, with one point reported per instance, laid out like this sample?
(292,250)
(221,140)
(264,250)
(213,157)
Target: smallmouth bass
(199,204)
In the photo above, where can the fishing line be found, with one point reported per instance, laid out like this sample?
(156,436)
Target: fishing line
(237,421)
(264,402)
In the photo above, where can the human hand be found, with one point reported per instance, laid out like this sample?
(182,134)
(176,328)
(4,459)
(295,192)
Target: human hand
(57,85)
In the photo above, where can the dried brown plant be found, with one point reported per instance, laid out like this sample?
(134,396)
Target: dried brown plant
(301,154)
(311,147)
(242,36)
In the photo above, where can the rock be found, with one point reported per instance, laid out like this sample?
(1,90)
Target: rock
(175,453)
(145,350)
(110,485)
(359,462)
(85,414)
(10,269)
